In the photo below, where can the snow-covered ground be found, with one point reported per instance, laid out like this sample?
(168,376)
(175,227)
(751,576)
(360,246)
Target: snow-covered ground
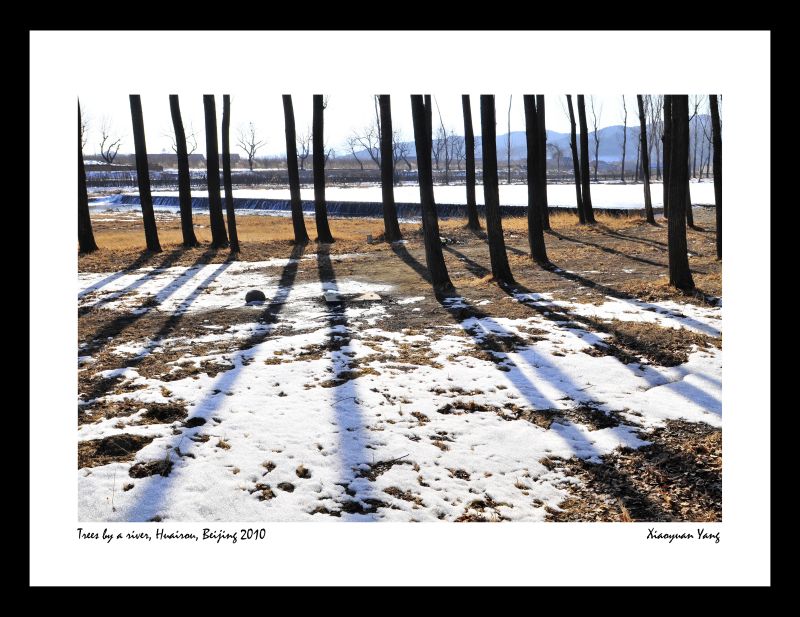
(430,440)
(613,196)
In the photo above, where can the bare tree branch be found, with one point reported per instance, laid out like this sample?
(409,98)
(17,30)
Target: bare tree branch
(400,149)
(508,140)
(84,128)
(304,147)
(595,119)
(624,137)
(556,152)
(369,140)
(437,147)
(109,142)
(191,140)
(352,145)
(458,148)
(446,144)
(248,141)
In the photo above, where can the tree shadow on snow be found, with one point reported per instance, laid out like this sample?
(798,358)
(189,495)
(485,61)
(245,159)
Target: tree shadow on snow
(483,329)
(152,497)
(106,334)
(349,420)
(167,260)
(145,256)
(566,322)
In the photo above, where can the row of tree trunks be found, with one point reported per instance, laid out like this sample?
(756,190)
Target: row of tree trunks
(421,116)
(219,237)
(676,176)
(576,165)
(535,184)
(586,195)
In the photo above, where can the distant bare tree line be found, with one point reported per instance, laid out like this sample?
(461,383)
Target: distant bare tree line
(448,148)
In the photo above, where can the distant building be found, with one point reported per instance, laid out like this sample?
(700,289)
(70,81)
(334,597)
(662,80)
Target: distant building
(102,166)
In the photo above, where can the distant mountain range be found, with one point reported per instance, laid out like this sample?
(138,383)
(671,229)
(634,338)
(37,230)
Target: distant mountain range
(610,151)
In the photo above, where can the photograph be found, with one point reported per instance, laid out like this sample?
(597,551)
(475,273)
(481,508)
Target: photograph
(400,307)
(431,307)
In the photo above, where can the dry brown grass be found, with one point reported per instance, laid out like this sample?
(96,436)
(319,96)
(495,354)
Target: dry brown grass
(122,242)
(558,220)
(112,449)
(678,477)
(113,234)
(659,288)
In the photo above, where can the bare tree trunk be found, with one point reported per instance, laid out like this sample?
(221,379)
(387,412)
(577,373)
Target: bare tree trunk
(143,175)
(218,235)
(702,158)
(708,158)
(446,144)
(689,213)
(226,172)
(491,192)
(430,222)
(390,225)
(658,162)
(680,275)
(573,143)
(299,224)
(86,243)
(544,209)
(508,137)
(694,148)
(624,138)
(665,140)
(716,131)
(429,119)
(318,146)
(184,181)
(648,202)
(638,151)
(473,222)
(586,193)
(596,139)
(535,228)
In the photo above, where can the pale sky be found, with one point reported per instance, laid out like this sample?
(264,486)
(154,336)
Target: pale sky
(344,113)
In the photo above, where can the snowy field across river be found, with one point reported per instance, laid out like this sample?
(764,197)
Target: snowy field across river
(604,196)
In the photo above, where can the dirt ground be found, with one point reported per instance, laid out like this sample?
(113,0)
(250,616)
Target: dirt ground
(623,254)
(676,478)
